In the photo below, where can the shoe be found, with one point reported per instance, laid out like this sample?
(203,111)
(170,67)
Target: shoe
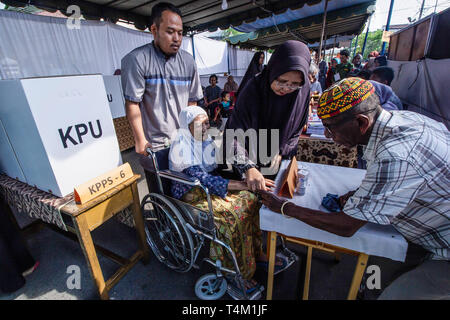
(278,268)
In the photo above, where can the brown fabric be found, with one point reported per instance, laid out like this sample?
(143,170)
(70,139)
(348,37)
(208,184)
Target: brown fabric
(42,205)
(124,133)
(326,152)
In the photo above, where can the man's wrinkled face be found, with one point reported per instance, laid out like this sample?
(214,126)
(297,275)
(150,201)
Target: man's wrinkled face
(169,34)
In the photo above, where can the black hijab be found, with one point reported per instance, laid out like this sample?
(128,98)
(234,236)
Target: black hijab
(253,69)
(258,107)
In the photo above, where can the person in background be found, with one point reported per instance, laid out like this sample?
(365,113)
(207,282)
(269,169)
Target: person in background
(405,186)
(370,65)
(313,75)
(364,74)
(357,65)
(380,61)
(344,68)
(254,68)
(383,75)
(332,71)
(158,80)
(323,69)
(226,104)
(230,85)
(212,95)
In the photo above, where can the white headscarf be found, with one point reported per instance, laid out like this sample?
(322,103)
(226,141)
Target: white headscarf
(185,151)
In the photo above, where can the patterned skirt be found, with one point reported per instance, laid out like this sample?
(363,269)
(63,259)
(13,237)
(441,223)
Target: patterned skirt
(237,222)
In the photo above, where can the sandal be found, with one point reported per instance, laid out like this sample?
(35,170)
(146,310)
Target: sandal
(278,267)
(251,285)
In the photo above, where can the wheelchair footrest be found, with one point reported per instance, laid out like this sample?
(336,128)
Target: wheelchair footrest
(238,294)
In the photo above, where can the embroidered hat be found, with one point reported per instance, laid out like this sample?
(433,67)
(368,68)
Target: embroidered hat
(342,96)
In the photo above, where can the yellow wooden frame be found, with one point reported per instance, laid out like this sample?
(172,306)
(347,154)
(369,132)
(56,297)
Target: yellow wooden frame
(310,244)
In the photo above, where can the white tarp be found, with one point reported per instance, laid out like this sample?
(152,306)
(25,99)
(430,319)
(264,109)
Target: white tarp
(33,45)
(423,87)
(210,55)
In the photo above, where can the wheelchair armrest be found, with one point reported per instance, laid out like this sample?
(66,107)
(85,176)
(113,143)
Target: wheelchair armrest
(180,177)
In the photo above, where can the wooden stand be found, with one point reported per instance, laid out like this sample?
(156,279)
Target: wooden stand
(87,217)
(357,275)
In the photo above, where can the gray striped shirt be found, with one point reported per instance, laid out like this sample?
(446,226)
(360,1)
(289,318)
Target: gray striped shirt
(407,183)
(162,87)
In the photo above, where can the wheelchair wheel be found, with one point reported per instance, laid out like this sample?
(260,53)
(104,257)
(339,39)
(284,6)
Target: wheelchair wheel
(167,234)
(210,287)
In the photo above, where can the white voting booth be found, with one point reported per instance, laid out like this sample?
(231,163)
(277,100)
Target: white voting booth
(56,132)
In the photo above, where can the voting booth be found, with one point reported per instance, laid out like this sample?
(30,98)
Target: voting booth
(56,132)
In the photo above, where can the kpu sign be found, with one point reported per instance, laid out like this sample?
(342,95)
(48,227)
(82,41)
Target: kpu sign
(60,129)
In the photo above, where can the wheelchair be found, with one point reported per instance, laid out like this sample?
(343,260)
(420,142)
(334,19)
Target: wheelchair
(176,232)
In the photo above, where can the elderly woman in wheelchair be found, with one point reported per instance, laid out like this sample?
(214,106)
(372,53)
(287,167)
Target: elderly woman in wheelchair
(232,224)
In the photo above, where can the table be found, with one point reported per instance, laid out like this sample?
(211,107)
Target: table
(81,220)
(325,151)
(371,239)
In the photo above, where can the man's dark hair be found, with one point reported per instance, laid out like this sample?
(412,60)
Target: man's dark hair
(365,74)
(382,60)
(345,52)
(159,8)
(212,76)
(385,74)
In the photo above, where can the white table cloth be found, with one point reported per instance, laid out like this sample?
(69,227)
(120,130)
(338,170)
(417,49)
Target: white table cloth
(371,239)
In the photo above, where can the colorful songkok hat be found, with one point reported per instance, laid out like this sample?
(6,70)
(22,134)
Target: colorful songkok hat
(342,96)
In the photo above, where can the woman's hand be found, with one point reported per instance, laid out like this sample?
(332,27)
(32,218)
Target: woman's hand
(271,201)
(234,185)
(255,180)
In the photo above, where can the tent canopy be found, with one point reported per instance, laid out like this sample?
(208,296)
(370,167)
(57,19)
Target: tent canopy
(348,21)
(197,15)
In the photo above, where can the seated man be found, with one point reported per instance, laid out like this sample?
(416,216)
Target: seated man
(406,185)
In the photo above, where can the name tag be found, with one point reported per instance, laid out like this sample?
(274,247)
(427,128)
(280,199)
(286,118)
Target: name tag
(337,77)
(99,185)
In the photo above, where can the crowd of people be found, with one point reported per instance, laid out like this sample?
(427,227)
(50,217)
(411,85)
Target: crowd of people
(406,153)
(374,68)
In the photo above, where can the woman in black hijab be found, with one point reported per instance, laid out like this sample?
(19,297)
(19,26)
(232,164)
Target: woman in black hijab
(255,67)
(276,99)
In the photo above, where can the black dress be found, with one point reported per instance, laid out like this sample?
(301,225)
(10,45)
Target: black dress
(14,255)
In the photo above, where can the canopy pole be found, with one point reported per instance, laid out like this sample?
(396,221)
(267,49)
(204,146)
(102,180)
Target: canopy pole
(365,38)
(356,45)
(388,23)
(332,51)
(323,31)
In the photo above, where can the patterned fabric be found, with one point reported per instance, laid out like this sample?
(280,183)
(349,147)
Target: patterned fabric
(42,205)
(237,222)
(326,152)
(216,184)
(342,96)
(407,183)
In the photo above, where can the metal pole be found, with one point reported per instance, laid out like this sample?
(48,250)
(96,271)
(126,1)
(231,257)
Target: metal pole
(367,33)
(388,23)
(356,45)
(323,31)
(421,9)
(332,51)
